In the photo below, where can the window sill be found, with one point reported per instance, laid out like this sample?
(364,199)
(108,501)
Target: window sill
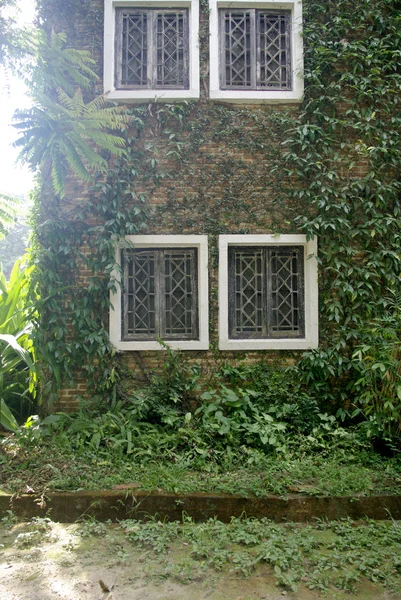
(132,96)
(152,345)
(257,96)
(271,344)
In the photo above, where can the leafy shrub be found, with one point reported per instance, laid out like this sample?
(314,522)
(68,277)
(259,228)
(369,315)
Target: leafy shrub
(17,371)
(168,395)
(378,363)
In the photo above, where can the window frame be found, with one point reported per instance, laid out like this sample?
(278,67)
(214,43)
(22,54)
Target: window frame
(163,242)
(255,49)
(310,314)
(152,15)
(260,95)
(132,94)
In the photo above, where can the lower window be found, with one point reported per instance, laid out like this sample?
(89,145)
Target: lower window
(161,294)
(267,292)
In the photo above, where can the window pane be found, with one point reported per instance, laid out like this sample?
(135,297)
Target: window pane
(274,51)
(237,43)
(134,48)
(180,293)
(255,49)
(139,317)
(266,292)
(286,274)
(170,49)
(246,291)
(152,48)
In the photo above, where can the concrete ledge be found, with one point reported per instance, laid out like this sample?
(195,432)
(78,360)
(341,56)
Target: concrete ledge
(133,504)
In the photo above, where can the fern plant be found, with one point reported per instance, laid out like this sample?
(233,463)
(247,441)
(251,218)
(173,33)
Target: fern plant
(8,212)
(63,131)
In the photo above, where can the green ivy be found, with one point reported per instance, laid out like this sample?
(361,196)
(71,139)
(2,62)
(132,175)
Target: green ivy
(344,151)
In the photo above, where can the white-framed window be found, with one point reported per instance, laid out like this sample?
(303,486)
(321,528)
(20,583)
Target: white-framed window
(151,50)
(162,293)
(256,51)
(268,294)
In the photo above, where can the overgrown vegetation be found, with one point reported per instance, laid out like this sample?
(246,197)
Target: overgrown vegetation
(257,432)
(333,171)
(344,151)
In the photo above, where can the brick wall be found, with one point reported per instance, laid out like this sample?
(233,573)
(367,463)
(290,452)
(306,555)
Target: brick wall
(220,186)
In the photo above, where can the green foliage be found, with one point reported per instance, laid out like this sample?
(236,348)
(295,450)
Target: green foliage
(8,212)
(10,35)
(15,243)
(344,155)
(326,557)
(17,369)
(168,395)
(75,340)
(335,176)
(63,131)
(378,389)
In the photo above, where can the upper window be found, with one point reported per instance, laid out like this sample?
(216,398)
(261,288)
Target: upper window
(151,50)
(161,294)
(256,51)
(267,292)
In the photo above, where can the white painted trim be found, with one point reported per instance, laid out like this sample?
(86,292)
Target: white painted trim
(168,241)
(149,95)
(258,96)
(311,338)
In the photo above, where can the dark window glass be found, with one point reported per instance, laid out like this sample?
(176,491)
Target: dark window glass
(152,49)
(266,292)
(255,49)
(160,294)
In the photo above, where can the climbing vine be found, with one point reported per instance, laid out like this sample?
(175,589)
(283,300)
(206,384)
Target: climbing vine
(344,150)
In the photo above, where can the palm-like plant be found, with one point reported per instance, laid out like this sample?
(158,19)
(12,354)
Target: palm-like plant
(62,130)
(17,369)
(62,133)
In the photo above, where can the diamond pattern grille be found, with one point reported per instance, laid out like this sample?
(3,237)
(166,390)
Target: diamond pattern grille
(179,270)
(134,49)
(266,292)
(160,295)
(170,50)
(152,48)
(139,297)
(255,49)
(274,50)
(248,292)
(285,278)
(237,48)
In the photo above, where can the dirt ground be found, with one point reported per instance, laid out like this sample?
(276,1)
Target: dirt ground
(56,561)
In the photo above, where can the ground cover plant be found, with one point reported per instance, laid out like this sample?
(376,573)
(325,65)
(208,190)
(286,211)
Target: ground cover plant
(256,431)
(242,559)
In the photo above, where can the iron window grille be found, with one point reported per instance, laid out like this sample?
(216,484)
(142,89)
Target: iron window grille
(160,294)
(152,49)
(255,49)
(266,292)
